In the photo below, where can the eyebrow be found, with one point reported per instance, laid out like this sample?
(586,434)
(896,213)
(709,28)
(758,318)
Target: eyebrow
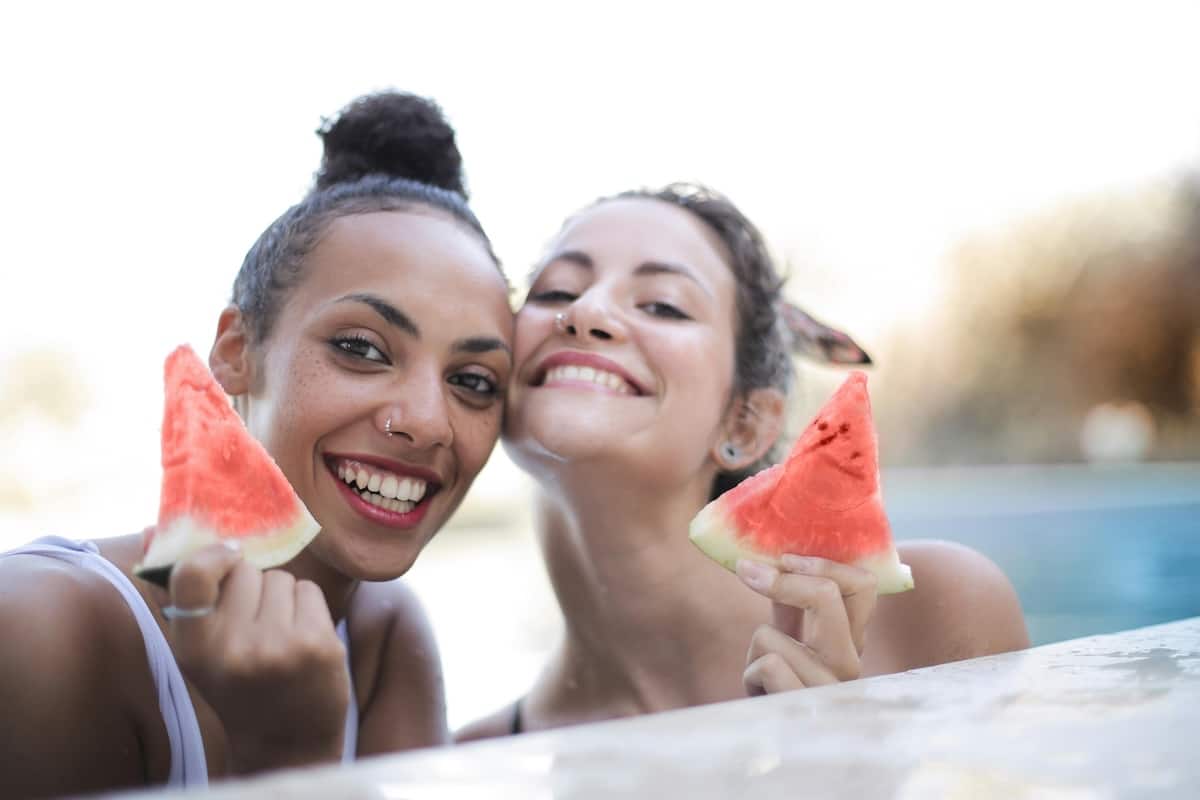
(481,344)
(392,315)
(397,318)
(582,259)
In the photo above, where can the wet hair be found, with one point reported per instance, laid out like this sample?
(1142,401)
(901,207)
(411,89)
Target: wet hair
(769,329)
(387,151)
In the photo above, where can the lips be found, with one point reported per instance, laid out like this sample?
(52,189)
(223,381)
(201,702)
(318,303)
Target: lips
(577,367)
(386,491)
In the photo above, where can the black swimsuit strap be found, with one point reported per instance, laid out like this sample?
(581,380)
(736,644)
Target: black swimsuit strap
(516,726)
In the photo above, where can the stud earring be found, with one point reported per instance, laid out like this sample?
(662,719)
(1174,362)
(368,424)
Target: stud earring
(729,451)
(560,322)
(387,427)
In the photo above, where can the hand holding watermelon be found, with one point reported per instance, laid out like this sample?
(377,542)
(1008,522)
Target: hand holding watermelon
(268,640)
(819,615)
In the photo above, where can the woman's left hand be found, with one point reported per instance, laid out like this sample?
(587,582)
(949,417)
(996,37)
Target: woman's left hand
(819,614)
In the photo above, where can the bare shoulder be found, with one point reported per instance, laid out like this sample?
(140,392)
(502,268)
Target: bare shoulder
(498,723)
(50,606)
(963,606)
(67,688)
(397,670)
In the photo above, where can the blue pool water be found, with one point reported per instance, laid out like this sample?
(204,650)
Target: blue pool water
(1089,550)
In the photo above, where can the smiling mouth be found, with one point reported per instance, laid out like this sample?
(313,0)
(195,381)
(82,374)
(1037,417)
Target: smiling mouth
(574,375)
(382,488)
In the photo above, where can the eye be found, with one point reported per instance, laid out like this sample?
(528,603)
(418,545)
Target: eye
(475,383)
(359,347)
(665,310)
(550,296)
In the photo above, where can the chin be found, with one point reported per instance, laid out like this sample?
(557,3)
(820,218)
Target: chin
(556,439)
(383,568)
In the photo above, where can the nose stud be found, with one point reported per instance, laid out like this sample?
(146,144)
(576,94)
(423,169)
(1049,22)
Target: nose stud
(387,427)
(560,322)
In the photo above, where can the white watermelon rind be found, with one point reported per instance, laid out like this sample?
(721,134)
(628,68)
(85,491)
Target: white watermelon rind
(719,540)
(185,534)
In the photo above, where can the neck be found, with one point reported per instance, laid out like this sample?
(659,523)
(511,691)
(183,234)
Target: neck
(337,588)
(642,607)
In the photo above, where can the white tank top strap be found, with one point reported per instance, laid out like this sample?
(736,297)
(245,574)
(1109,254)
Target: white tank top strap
(350,742)
(189,766)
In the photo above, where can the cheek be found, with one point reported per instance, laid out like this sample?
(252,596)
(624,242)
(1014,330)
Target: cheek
(476,434)
(531,328)
(288,428)
(703,362)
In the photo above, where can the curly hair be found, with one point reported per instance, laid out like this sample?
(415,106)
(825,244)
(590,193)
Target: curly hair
(388,151)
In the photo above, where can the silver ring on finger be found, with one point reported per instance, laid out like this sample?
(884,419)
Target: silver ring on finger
(174,612)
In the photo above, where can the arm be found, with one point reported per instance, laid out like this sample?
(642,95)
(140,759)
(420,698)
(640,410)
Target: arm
(403,699)
(66,727)
(963,606)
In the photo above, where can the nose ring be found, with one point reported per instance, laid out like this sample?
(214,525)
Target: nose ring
(560,322)
(387,427)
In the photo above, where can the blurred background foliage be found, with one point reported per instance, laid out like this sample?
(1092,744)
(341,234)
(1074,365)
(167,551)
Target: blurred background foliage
(1073,335)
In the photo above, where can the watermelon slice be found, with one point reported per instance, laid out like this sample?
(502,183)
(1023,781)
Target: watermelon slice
(218,482)
(823,501)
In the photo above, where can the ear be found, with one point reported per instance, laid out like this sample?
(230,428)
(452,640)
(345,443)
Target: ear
(752,425)
(230,358)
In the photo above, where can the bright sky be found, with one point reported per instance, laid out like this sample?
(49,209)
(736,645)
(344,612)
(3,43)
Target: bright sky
(145,147)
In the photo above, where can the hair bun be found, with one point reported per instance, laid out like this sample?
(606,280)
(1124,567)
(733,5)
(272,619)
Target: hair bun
(391,133)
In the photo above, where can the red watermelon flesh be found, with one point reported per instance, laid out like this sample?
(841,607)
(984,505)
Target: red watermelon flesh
(218,481)
(823,501)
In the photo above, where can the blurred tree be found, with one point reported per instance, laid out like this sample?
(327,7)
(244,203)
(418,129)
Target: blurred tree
(1096,302)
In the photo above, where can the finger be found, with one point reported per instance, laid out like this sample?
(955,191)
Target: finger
(240,594)
(195,581)
(276,602)
(859,588)
(770,674)
(803,661)
(825,629)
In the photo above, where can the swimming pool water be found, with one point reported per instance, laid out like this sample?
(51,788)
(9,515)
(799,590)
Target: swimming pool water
(1088,550)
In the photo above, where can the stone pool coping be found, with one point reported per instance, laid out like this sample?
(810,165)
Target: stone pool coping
(1114,715)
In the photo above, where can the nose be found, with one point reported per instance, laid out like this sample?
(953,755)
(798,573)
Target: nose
(418,413)
(593,315)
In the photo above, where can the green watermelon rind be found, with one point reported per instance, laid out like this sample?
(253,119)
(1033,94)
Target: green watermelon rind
(719,540)
(185,534)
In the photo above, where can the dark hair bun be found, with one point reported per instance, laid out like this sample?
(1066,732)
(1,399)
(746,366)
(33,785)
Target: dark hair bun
(391,133)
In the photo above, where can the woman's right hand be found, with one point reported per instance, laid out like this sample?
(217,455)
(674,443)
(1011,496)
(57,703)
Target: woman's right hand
(267,659)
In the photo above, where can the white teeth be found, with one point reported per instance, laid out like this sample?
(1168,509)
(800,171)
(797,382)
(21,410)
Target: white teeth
(387,503)
(383,489)
(388,486)
(591,375)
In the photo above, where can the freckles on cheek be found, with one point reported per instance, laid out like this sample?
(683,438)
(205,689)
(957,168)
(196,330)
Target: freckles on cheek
(478,436)
(301,392)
